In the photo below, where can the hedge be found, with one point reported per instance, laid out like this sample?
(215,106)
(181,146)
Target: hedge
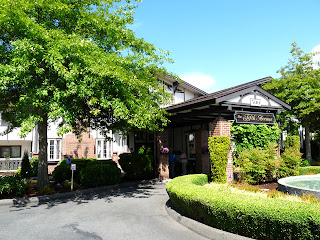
(243,213)
(309,170)
(98,174)
(62,171)
(136,166)
(219,147)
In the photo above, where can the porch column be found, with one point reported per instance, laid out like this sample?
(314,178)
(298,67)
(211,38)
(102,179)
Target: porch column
(162,159)
(222,127)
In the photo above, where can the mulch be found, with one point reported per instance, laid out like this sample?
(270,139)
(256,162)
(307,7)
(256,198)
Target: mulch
(270,186)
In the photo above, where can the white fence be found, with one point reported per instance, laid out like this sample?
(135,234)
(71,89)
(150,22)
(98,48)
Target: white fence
(10,164)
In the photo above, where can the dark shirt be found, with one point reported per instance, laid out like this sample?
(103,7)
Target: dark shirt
(172,157)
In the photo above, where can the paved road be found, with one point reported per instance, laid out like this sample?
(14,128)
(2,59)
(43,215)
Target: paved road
(129,213)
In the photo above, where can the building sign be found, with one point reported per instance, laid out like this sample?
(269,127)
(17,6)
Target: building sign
(254,117)
(255,102)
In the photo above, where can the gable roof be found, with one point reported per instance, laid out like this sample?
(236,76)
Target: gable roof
(185,84)
(223,95)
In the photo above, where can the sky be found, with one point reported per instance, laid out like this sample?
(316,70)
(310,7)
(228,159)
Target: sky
(217,44)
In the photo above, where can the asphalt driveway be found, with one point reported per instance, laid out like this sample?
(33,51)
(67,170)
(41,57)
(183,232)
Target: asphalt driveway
(136,212)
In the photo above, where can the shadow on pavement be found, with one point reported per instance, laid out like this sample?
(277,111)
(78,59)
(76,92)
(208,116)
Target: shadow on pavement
(139,190)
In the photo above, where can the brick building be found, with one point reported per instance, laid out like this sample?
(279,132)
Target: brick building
(194,116)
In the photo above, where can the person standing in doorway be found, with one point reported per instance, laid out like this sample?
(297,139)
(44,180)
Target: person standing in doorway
(172,159)
(184,162)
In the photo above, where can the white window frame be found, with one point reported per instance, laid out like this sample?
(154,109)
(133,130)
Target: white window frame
(103,149)
(57,153)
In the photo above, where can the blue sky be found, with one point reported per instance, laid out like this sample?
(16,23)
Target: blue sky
(217,44)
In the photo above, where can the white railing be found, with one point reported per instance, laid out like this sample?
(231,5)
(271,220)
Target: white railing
(10,164)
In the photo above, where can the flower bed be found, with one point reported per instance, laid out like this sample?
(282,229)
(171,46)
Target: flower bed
(246,213)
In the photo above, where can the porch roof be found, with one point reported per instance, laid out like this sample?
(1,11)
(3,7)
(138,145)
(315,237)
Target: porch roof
(224,103)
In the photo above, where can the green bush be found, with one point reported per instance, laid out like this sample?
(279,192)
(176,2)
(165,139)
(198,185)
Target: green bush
(251,136)
(14,185)
(34,166)
(240,212)
(100,174)
(62,172)
(136,166)
(292,142)
(25,166)
(219,147)
(304,163)
(258,165)
(309,170)
(291,160)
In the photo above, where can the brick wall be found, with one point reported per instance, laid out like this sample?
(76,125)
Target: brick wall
(162,159)
(72,147)
(222,127)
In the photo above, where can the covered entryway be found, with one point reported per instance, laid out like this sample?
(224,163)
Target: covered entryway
(193,121)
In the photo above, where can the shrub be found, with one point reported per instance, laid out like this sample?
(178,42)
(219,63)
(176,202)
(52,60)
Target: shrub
(258,165)
(240,212)
(292,142)
(14,185)
(25,166)
(291,160)
(305,163)
(100,174)
(309,170)
(34,167)
(219,148)
(62,172)
(48,190)
(251,136)
(136,166)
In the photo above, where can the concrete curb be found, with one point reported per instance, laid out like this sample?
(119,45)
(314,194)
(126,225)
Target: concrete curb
(200,228)
(60,196)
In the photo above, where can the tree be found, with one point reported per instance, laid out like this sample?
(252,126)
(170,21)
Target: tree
(25,166)
(299,86)
(79,63)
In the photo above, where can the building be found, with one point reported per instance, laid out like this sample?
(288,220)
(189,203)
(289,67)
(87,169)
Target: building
(93,144)
(194,116)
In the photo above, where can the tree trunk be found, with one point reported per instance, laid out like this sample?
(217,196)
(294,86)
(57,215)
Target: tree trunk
(43,178)
(308,143)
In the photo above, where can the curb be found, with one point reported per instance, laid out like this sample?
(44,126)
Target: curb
(200,228)
(60,196)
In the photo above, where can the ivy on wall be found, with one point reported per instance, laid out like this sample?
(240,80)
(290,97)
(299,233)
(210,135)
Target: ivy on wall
(219,148)
(250,136)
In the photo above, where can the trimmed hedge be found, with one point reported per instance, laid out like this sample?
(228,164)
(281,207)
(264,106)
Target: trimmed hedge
(240,212)
(309,170)
(136,166)
(63,172)
(97,174)
(219,147)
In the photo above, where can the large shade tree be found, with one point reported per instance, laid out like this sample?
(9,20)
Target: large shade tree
(76,61)
(299,86)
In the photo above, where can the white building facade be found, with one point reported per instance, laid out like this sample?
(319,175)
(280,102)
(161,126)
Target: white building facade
(93,144)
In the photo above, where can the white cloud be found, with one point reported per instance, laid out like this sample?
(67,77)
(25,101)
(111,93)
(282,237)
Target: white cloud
(199,80)
(316,58)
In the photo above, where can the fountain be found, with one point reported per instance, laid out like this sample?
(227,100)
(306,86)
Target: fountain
(300,185)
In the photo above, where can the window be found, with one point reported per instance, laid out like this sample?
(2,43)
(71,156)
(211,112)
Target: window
(54,149)
(103,149)
(10,151)
(190,145)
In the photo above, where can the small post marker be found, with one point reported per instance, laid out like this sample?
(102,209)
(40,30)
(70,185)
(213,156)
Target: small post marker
(73,168)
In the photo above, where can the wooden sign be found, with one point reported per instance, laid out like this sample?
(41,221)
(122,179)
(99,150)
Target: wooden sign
(254,117)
